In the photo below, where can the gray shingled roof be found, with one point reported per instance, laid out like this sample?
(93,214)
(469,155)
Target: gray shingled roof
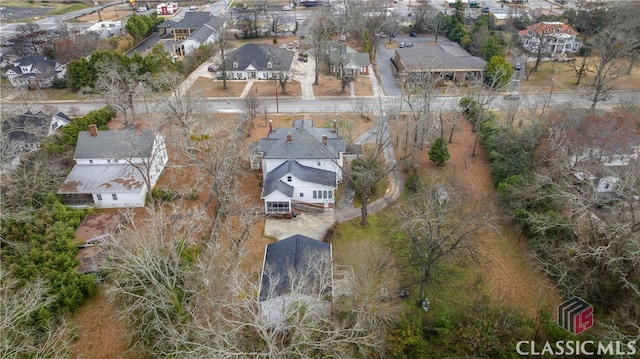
(273,183)
(28,128)
(258,56)
(45,66)
(114,144)
(290,254)
(441,57)
(214,24)
(306,143)
(192,20)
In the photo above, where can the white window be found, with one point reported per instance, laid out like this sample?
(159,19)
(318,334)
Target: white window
(235,64)
(301,194)
(315,194)
(288,178)
(90,161)
(114,196)
(318,163)
(99,197)
(269,65)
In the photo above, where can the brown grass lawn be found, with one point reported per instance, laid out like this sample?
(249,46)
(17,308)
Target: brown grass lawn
(331,86)
(268,88)
(213,88)
(507,272)
(565,79)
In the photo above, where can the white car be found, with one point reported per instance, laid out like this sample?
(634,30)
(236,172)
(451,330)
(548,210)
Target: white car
(287,8)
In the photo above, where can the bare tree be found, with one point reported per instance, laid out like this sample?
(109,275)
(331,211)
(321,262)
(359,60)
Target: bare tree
(19,337)
(252,106)
(222,47)
(27,42)
(183,102)
(322,28)
(539,50)
(438,223)
(613,48)
(117,82)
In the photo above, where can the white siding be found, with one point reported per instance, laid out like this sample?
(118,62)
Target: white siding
(124,200)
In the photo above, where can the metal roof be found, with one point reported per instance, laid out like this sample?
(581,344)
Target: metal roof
(108,178)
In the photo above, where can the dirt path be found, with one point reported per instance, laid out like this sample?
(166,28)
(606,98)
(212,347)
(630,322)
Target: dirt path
(509,273)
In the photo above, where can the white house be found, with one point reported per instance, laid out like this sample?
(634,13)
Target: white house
(301,166)
(114,169)
(296,271)
(556,37)
(35,71)
(256,61)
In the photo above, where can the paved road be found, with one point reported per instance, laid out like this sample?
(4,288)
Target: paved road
(385,70)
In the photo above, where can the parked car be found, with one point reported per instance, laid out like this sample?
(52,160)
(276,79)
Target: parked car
(284,46)
(512,96)
(409,44)
(290,46)
(212,68)
(402,44)
(303,58)
(485,10)
(518,66)
(413,34)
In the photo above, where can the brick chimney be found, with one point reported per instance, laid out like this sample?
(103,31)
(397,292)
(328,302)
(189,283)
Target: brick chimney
(289,137)
(324,140)
(270,126)
(93,129)
(335,126)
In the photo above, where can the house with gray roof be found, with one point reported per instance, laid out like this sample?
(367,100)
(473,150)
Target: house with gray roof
(256,61)
(296,270)
(301,166)
(22,134)
(194,30)
(114,168)
(343,57)
(446,60)
(35,72)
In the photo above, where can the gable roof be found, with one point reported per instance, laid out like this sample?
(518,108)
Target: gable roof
(258,56)
(191,20)
(43,66)
(214,24)
(114,144)
(118,178)
(306,143)
(273,183)
(441,57)
(338,50)
(291,254)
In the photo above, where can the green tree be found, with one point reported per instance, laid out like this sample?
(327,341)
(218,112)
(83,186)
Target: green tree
(498,72)
(492,47)
(439,152)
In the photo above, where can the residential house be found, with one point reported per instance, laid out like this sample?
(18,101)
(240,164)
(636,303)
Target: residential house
(301,167)
(57,121)
(35,72)
(602,151)
(24,133)
(446,60)
(296,271)
(556,37)
(256,61)
(114,168)
(343,57)
(195,29)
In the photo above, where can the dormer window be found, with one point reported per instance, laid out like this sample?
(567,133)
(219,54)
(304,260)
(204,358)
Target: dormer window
(288,178)
(269,65)
(235,64)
